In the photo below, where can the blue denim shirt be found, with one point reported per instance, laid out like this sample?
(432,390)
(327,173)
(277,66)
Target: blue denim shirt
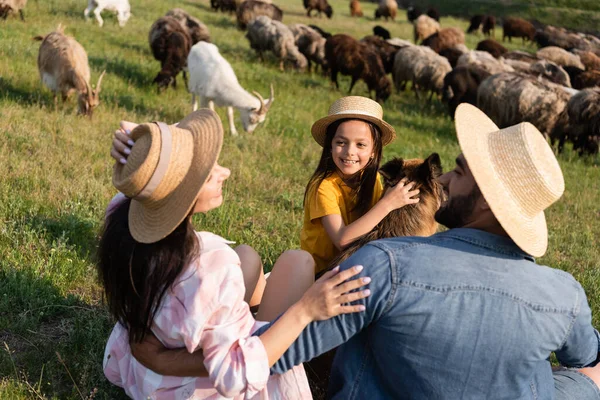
(463,314)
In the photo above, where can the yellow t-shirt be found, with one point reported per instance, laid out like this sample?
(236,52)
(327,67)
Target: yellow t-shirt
(333,196)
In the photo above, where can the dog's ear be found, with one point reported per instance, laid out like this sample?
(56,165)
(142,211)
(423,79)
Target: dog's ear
(391,170)
(431,167)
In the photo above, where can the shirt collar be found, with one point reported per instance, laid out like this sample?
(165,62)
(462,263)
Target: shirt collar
(498,243)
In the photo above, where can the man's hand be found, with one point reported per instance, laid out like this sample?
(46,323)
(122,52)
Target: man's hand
(174,362)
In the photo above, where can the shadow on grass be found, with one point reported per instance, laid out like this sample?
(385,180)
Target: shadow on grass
(130,72)
(39,321)
(24,96)
(68,228)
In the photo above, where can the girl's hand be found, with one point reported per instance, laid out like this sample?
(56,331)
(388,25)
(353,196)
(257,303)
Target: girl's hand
(121,147)
(329,296)
(400,195)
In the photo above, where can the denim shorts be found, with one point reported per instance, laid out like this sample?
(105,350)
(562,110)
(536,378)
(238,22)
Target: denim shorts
(570,384)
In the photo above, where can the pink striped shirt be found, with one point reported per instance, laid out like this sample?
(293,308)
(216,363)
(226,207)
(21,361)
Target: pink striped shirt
(205,309)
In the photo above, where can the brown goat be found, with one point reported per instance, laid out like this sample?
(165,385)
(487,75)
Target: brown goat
(170,44)
(492,47)
(355,9)
(517,27)
(444,39)
(348,56)
(412,220)
(63,66)
(318,5)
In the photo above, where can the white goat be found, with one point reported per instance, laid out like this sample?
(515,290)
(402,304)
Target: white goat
(121,7)
(63,66)
(213,80)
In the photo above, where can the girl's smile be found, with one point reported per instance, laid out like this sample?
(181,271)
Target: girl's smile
(352,147)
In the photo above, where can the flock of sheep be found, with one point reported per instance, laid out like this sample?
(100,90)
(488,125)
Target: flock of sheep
(556,89)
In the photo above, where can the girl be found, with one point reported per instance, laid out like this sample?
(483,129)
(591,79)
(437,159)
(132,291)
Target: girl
(186,287)
(342,200)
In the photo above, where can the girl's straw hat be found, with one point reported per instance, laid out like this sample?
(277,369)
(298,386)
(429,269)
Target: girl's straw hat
(516,171)
(354,107)
(166,170)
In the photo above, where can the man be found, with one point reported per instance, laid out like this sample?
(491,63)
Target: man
(467,313)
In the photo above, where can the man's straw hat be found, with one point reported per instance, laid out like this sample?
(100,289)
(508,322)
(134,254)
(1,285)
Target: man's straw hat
(166,170)
(516,171)
(354,107)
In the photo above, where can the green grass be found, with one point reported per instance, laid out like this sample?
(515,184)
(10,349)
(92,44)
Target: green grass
(55,177)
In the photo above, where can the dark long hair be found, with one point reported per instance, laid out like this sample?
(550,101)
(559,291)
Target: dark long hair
(137,275)
(366,178)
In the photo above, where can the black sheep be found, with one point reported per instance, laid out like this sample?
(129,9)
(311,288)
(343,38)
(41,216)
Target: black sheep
(170,44)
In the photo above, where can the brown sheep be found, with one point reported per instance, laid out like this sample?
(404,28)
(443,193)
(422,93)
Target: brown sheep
(386,51)
(355,9)
(318,5)
(488,26)
(444,38)
(170,44)
(518,27)
(590,60)
(387,9)
(250,9)
(415,219)
(196,29)
(348,56)
(584,121)
(461,84)
(475,23)
(492,47)
(585,79)
(63,67)
(424,26)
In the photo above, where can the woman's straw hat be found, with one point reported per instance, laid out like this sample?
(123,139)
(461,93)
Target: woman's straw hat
(354,107)
(516,171)
(166,170)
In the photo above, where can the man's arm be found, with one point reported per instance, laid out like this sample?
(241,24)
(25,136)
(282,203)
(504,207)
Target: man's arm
(582,345)
(321,336)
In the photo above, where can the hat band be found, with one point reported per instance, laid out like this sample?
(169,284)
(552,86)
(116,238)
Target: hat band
(359,112)
(166,141)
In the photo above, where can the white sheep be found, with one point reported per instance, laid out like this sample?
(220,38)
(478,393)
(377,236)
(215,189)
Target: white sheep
(421,65)
(63,66)
(121,7)
(560,57)
(214,81)
(484,60)
(266,34)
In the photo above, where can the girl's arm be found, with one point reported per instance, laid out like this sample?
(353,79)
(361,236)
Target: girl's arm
(396,197)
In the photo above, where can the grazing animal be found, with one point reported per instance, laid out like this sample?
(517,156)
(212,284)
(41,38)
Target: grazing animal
(121,7)
(461,84)
(453,54)
(484,60)
(251,9)
(265,34)
(311,44)
(590,60)
(560,57)
(414,219)
(517,27)
(492,47)
(511,98)
(424,26)
(355,9)
(520,56)
(433,13)
(387,9)
(318,5)
(63,67)
(229,6)
(381,32)
(475,23)
(583,129)
(444,38)
(348,56)
(412,13)
(196,29)
(170,44)
(213,80)
(386,51)
(550,71)
(8,7)
(488,26)
(326,35)
(423,67)
(584,79)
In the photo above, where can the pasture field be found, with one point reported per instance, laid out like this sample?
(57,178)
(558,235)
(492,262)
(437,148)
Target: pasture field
(55,177)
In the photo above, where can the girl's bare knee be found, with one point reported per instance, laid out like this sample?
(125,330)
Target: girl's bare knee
(297,260)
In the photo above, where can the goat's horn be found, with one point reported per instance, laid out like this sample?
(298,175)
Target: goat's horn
(272,96)
(100,82)
(262,101)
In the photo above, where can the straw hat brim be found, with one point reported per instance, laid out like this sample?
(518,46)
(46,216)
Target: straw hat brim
(473,129)
(149,225)
(319,128)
